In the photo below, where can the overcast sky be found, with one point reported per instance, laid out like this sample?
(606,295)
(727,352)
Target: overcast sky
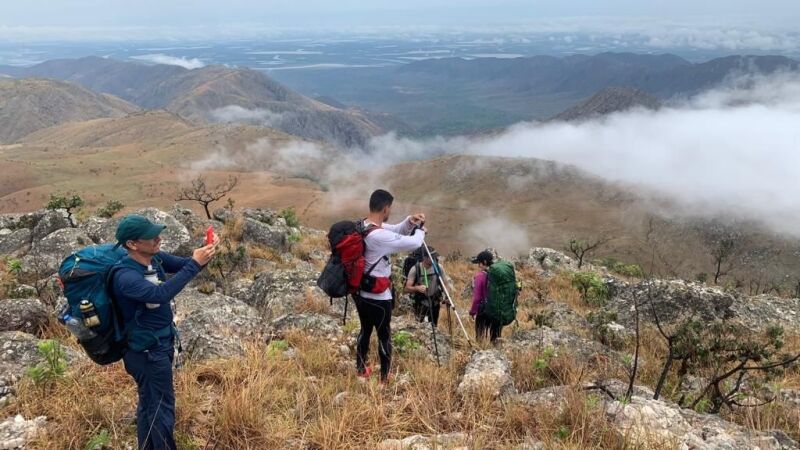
(368,13)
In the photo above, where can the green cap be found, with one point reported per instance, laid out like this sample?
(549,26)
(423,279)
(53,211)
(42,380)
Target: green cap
(134,226)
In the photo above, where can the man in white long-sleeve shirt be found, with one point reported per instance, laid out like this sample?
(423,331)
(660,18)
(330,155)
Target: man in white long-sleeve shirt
(374,300)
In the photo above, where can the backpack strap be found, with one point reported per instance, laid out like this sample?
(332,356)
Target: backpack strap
(365,231)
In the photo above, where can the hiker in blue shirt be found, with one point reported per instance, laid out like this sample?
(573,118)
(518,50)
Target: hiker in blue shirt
(144,295)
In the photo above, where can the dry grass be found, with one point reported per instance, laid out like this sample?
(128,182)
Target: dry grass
(268,400)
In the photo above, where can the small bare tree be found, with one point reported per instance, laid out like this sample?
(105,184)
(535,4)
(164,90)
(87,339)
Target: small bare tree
(580,248)
(204,194)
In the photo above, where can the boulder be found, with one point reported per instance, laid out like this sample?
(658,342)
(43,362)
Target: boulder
(561,316)
(543,338)
(549,260)
(278,292)
(50,222)
(273,236)
(15,221)
(15,432)
(487,369)
(19,350)
(23,314)
(174,239)
(266,216)
(46,254)
(95,228)
(419,442)
(319,325)
(223,215)
(673,301)
(15,243)
(758,311)
(648,423)
(240,289)
(215,326)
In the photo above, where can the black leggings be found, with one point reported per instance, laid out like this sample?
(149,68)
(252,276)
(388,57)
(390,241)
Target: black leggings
(484,325)
(374,314)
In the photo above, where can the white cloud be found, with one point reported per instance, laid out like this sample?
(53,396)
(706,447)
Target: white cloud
(238,114)
(734,150)
(484,233)
(160,58)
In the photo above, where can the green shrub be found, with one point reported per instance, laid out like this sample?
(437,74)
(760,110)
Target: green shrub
(628,270)
(110,208)
(591,287)
(54,365)
(276,348)
(99,441)
(69,201)
(403,342)
(290,216)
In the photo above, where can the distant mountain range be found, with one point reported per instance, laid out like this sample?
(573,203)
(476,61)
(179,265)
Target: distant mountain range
(608,101)
(202,95)
(454,95)
(31,104)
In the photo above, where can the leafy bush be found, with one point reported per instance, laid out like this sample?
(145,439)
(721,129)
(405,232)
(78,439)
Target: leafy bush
(99,441)
(276,348)
(54,365)
(69,201)
(628,270)
(290,216)
(110,208)
(403,342)
(591,287)
(14,266)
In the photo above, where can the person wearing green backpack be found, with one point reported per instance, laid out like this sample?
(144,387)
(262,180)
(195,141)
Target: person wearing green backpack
(494,296)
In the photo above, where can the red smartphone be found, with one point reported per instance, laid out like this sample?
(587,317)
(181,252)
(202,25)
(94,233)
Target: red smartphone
(210,235)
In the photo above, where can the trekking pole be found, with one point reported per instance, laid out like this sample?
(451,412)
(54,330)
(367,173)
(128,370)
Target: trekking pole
(344,314)
(447,294)
(433,327)
(449,323)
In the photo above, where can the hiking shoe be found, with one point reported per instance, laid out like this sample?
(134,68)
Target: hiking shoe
(365,374)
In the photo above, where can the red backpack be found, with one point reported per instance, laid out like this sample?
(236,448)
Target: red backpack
(344,272)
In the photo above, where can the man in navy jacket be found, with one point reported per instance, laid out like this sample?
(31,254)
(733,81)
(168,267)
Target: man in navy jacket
(144,295)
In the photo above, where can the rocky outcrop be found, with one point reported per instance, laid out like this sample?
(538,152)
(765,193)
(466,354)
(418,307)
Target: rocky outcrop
(95,228)
(546,338)
(675,300)
(646,422)
(319,325)
(215,326)
(50,222)
(671,301)
(755,312)
(490,371)
(272,236)
(278,292)
(46,254)
(15,243)
(420,442)
(23,314)
(549,260)
(15,432)
(19,350)
(561,316)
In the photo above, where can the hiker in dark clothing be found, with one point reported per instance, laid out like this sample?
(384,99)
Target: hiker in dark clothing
(480,294)
(144,296)
(423,285)
(374,306)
